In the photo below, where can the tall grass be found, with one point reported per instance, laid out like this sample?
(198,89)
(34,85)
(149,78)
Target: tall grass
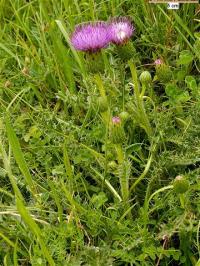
(69,195)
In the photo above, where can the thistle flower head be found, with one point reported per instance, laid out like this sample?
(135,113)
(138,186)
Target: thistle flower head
(163,71)
(117,134)
(121,30)
(181,184)
(116,120)
(90,36)
(158,61)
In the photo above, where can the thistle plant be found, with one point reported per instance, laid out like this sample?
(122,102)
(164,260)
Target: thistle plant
(94,169)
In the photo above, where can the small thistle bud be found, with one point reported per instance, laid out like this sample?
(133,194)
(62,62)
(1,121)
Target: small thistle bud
(102,104)
(126,51)
(112,165)
(124,116)
(158,61)
(181,184)
(145,77)
(116,120)
(117,131)
(163,71)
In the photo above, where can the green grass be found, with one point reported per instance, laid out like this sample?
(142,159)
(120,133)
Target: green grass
(74,189)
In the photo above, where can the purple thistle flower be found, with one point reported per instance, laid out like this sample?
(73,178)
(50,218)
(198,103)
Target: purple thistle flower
(116,120)
(158,61)
(90,37)
(121,30)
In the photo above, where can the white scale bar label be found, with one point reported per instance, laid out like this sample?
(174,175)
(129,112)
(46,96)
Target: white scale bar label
(172,5)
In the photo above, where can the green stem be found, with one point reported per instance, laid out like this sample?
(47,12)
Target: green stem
(107,183)
(135,80)
(182,201)
(141,177)
(143,118)
(123,179)
(102,91)
(122,74)
(147,201)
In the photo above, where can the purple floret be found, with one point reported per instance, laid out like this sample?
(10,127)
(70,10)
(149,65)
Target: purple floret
(116,120)
(121,30)
(158,61)
(90,37)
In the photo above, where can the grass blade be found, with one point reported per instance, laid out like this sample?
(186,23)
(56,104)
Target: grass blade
(19,157)
(34,228)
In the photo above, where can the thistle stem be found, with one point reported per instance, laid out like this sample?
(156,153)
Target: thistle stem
(144,120)
(124,182)
(122,72)
(102,91)
(182,201)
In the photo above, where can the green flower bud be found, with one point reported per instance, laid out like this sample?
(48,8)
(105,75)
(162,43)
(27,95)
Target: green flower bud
(181,184)
(102,104)
(163,73)
(126,51)
(112,165)
(117,131)
(124,116)
(145,77)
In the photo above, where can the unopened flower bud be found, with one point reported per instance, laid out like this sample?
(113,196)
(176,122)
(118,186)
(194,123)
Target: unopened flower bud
(112,165)
(117,131)
(126,51)
(158,61)
(116,120)
(124,116)
(181,184)
(163,71)
(145,77)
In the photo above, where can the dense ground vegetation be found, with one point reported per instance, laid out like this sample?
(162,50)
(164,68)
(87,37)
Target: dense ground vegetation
(75,189)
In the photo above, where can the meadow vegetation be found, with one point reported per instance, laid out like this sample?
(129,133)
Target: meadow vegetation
(99,153)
